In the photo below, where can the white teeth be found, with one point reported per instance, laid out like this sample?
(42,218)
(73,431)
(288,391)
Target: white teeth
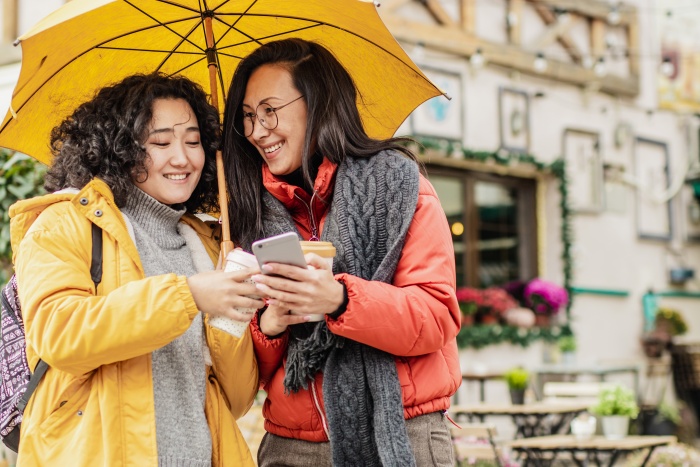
(274,148)
(175,176)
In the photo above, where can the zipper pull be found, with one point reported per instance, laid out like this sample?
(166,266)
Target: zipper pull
(444,412)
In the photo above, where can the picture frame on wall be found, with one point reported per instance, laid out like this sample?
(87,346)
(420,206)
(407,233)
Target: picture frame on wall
(514,120)
(440,117)
(653,176)
(690,207)
(584,169)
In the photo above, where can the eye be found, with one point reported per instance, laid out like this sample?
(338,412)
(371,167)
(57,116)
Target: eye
(193,143)
(249,115)
(268,110)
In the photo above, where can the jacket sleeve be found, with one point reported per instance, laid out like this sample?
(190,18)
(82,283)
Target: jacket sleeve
(269,352)
(419,309)
(233,360)
(75,331)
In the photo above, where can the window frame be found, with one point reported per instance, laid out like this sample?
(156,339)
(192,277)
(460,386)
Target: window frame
(526,205)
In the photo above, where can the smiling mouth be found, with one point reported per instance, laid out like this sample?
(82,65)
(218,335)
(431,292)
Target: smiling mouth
(175,176)
(273,148)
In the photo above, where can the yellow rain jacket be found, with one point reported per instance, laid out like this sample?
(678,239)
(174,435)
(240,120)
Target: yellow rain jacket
(95,406)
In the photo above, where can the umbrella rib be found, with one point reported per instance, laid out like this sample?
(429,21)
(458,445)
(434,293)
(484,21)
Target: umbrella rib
(266,37)
(165,25)
(233,26)
(179,5)
(128,49)
(318,23)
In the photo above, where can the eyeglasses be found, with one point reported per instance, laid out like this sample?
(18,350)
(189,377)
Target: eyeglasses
(266,115)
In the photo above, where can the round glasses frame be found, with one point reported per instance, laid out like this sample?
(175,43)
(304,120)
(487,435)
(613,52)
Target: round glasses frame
(269,119)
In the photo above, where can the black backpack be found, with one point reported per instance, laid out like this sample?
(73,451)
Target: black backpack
(17,381)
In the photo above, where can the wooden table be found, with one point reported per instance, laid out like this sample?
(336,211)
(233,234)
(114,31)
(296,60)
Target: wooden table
(543,450)
(481,378)
(528,418)
(600,371)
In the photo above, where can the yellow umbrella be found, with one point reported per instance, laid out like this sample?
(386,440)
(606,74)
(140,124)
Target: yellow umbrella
(88,44)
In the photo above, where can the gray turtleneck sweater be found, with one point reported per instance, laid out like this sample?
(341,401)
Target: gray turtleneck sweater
(179,379)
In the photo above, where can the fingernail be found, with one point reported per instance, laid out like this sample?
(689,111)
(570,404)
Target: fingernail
(307,318)
(260,286)
(267,268)
(256,277)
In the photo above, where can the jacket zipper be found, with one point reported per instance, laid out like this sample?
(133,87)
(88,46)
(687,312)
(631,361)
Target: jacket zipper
(309,206)
(318,407)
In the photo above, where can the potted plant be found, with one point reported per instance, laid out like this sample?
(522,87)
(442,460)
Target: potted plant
(616,405)
(517,379)
(567,347)
(484,306)
(668,323)
(545,298)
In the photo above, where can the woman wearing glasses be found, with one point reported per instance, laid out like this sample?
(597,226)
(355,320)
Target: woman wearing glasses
(375,376)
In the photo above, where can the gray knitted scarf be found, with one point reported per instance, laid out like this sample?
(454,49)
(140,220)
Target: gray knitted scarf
(373,204)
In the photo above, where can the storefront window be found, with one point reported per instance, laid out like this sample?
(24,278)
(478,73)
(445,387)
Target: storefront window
(493,224)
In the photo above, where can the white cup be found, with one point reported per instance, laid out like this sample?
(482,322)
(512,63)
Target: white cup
(236,261)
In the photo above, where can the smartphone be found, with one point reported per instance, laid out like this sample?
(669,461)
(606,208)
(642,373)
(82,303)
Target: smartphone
(283,248)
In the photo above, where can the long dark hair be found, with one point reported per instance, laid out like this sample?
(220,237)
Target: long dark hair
(104,138)
(334,128)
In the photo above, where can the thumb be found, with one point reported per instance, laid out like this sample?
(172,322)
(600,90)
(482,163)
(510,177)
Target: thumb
(312,259)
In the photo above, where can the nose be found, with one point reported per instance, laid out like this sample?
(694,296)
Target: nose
(259,131)
(178,157)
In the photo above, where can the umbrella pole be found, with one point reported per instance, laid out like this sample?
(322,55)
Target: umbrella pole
(226,243)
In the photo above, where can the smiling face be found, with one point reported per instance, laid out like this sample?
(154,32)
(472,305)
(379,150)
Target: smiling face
(282,147)
(175,153)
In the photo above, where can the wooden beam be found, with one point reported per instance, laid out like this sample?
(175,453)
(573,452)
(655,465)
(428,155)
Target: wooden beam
(468,16)
(515,11)
(10,15)
(457,42)
(557,31)
(591,8)
(438,12)
(633,47)
(597,29)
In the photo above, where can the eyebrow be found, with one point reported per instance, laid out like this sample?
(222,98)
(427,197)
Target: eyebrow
(172,130)
(263,101)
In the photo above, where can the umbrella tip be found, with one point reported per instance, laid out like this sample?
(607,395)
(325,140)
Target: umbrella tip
(12,111)
(377,4)
(449,98)
(16,42)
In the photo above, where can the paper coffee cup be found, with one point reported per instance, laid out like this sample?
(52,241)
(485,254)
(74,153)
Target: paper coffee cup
(236,261)
(325,250)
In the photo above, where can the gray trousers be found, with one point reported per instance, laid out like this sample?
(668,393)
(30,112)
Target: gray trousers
(429,436)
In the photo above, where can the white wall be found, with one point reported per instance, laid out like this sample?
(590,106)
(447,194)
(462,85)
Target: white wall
(607,253)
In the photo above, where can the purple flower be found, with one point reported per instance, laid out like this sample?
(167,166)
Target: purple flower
(545,297)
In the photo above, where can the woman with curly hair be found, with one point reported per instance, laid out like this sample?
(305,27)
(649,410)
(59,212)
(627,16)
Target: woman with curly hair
(136,375)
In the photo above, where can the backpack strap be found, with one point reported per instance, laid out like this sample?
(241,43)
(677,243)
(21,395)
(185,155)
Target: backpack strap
(96,275)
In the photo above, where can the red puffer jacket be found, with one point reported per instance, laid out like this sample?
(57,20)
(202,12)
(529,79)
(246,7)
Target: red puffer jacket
(416,318)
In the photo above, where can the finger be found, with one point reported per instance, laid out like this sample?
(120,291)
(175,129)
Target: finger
(312,259)
(277,283)
(246,302)
(289,320)
(279,296)
(240,316)
(241,275)
(287,270)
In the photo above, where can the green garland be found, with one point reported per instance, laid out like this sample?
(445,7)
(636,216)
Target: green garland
(480,336)
(483,335)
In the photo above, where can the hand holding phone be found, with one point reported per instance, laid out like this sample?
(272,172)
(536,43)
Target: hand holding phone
(283,248)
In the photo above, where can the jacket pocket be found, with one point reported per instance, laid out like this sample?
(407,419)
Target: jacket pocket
(68,411)
(408,388)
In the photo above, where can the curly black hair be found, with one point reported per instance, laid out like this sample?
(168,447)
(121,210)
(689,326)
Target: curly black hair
(104,138)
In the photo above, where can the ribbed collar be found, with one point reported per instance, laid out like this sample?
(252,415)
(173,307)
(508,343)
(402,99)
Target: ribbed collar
(157,220)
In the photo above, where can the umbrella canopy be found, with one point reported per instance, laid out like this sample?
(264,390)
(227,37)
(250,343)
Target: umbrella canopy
(87,44)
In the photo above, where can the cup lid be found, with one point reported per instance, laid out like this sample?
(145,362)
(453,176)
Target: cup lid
(242,257)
